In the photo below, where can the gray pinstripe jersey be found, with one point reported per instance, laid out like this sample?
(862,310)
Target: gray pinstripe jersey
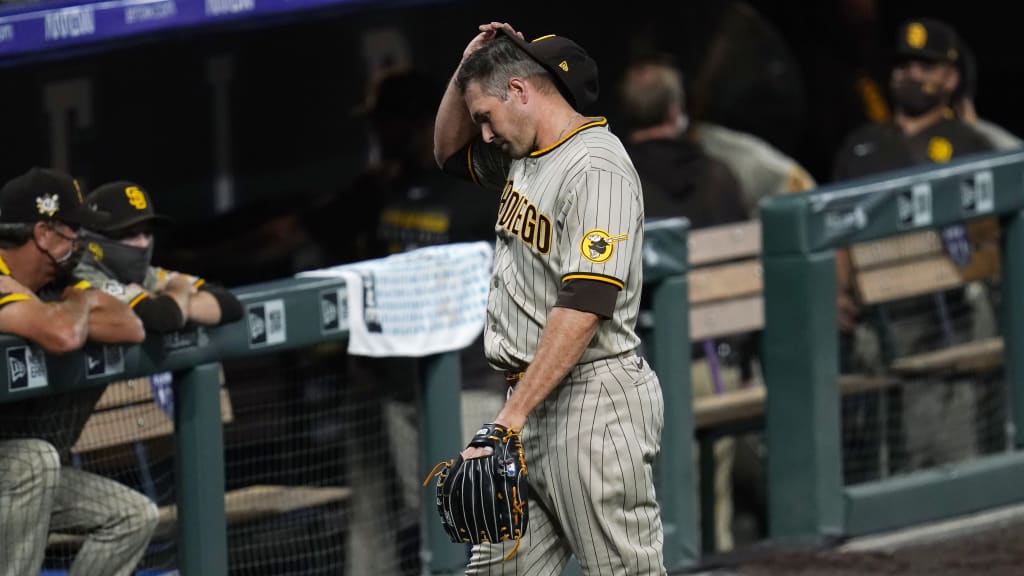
(570,211)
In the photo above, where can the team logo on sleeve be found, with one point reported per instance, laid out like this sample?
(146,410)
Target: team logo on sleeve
(598,246)
(113,288)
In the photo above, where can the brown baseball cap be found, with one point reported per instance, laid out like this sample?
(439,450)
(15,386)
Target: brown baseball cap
(574,71)
(45,194)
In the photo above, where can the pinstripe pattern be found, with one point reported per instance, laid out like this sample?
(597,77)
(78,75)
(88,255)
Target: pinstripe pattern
(584,183)
(29,473)
(118,520)
(592,442)
(591,446)
(38,495)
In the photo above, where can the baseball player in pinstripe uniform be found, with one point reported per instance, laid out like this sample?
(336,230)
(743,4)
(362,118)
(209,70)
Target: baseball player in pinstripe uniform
(563,302)
(42,302)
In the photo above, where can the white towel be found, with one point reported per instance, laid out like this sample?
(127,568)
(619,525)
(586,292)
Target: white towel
(425,301)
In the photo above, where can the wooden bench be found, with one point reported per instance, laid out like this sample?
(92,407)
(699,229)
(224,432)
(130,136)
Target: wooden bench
(916,264)
(726,299)
(725,281)
(725,284)
(747,404)
(726,292)
(127,415)
(725,296)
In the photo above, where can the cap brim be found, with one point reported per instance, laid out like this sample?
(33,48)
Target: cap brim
(526,47)
(155,219)
(515,38)
(923,55)
(83,217)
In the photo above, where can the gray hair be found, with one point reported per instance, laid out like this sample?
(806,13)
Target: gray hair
(495,63)
(648,90)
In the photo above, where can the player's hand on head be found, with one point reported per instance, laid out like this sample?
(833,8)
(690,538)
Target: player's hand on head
(498,26)
(487,33)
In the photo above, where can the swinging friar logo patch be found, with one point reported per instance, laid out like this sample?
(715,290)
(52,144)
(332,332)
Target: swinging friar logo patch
(598,245)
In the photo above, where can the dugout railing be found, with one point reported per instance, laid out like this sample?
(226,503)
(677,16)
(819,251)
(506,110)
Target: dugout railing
(800,234)
(199,467)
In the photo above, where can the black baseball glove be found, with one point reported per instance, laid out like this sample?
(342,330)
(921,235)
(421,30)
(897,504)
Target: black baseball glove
(485,499)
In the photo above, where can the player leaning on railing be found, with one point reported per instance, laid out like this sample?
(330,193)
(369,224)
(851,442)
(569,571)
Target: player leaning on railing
(40,300)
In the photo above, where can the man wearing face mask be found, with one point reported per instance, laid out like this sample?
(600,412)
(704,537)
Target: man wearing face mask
(117,260)
(40,301)
(923,128)
(924,83)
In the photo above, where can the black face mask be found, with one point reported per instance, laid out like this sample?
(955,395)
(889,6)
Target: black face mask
(915,98)
(126,264)
(66,264)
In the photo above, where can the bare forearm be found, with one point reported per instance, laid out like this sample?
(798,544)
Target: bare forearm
(115,328)
(453,127)
(113,322)
(68,323)
(181,293)
(565,337)
(203,309)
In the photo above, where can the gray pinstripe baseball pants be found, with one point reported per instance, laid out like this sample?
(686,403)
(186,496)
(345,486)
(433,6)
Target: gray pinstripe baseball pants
(589,448)
(37,495)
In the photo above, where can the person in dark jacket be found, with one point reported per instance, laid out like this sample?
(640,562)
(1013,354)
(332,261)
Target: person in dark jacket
(678,177)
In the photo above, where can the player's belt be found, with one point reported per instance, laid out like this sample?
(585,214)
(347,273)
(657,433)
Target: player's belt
(514,376)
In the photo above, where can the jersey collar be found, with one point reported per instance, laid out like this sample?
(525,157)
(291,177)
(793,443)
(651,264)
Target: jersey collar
(598,121)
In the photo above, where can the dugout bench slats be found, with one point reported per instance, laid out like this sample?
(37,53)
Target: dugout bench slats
(977,356)
(725,282)
(727,318)
(916,264)
(725,242)
(127,413)
(116,425)
(748,403)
